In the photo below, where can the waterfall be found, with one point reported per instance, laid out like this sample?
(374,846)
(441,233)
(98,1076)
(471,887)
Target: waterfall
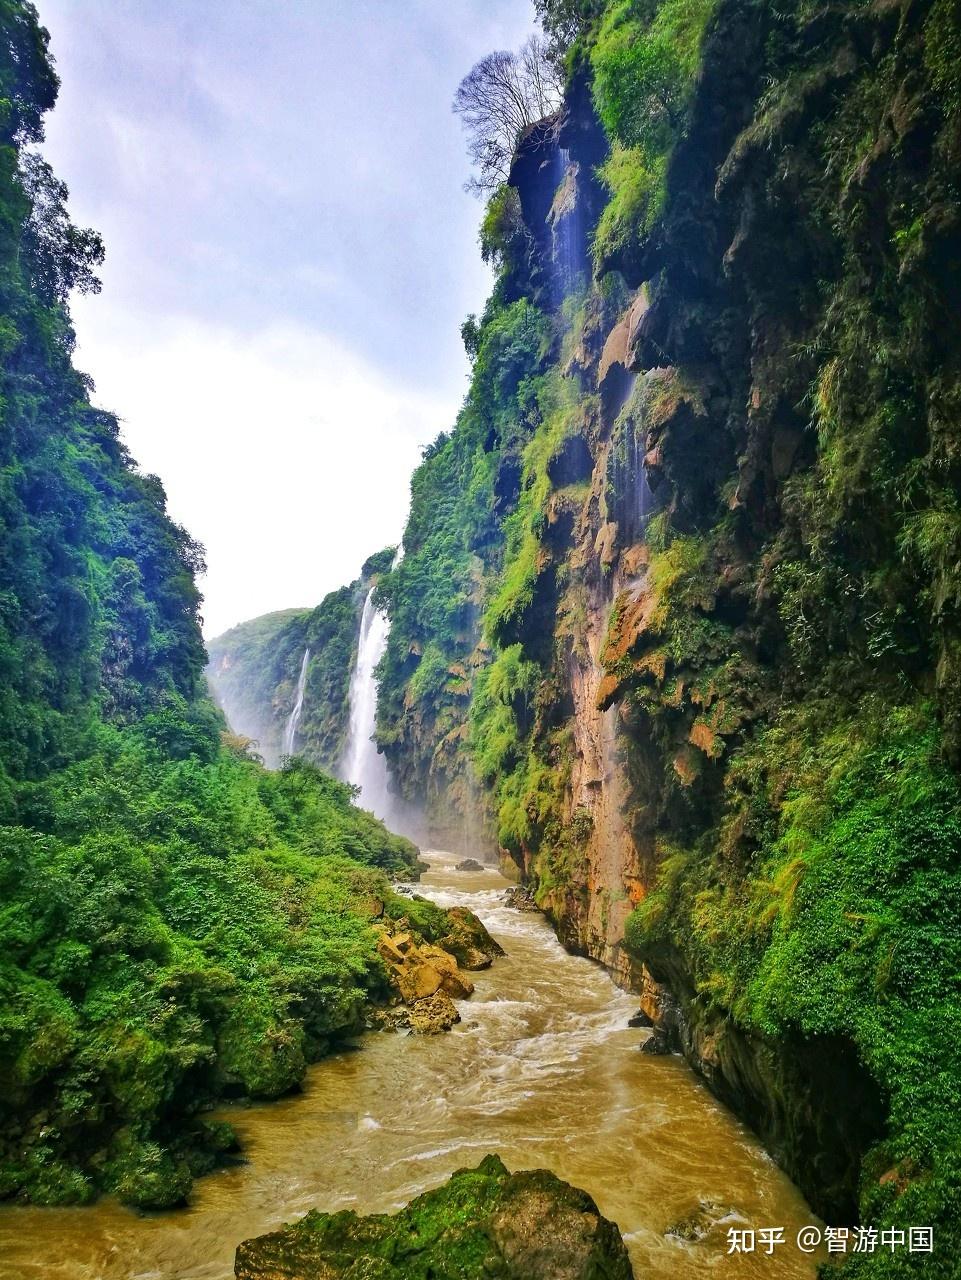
(293,720)
(364,765)
(566,219)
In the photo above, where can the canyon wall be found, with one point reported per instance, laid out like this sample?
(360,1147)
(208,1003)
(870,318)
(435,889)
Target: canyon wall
(676,631)
(253,673)
(697,632)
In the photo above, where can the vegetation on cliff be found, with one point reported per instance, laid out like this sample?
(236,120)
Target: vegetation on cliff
(696,528)
(776,256)
(253,670)
(176,924)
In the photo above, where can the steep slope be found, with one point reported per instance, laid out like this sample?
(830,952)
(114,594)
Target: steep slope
(254,668)
(176,924)
(700,517)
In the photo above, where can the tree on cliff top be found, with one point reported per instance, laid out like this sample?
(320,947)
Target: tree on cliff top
(501,96)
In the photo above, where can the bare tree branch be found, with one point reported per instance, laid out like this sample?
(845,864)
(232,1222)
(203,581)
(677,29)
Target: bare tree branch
(500,97)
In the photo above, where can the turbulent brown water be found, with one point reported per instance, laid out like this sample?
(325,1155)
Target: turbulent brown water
(543,1070)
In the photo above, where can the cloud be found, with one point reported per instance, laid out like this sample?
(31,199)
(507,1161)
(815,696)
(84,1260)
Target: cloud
(290,255)
(284,452)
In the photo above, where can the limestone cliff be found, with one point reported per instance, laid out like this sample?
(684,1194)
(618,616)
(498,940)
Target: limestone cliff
(701,622)
(677,623)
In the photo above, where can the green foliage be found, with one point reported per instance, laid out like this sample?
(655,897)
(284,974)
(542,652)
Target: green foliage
(98,603)
(500,712)
(637,191)
(254,669)
(834,912)
(644,59)
(942,50)
(557,415)
(172,930)
(503,237)
(177,925)
(460,495)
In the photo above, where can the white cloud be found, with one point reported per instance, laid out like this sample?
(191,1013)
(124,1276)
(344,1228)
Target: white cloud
(289,258)
(284,452)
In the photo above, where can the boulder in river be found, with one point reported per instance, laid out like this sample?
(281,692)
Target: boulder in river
(433,1015)
(468,941)
(483,1224)
(520,899)
(425,978)
(469,864)
(702,1220)
(640,1019)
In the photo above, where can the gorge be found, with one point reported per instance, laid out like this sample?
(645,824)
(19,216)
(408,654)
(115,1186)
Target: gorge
(672,648)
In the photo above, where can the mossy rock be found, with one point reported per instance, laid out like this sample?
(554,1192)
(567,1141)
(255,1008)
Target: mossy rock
(486,1223)
(468,940)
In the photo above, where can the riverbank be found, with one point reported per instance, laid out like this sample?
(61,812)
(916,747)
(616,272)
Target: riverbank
(543,1070)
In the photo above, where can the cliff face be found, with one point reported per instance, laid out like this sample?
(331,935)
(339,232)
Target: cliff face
(705,659)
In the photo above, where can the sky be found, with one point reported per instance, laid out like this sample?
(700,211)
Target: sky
(290,255)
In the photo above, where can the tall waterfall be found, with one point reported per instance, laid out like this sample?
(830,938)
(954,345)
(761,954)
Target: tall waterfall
(293,720)
(364,765)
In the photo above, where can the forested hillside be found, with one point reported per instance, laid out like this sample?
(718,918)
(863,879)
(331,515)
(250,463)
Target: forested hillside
(254,670)
(677,628)
(176,924)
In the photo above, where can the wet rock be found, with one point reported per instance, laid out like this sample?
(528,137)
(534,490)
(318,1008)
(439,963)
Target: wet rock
(484,1224)
(417,982)
(699,1223)
(658,1042)
(435,1014)
(469,864)
(640,1019)
(520,899)
(468,941)
(394,1018)
(425,978)
(451,979)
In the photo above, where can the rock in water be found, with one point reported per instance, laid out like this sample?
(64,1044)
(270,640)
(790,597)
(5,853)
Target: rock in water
(484,1224)
(434,1014)
(469,864)
(468,940)
(520,899)
(702,1220)
(657,1043)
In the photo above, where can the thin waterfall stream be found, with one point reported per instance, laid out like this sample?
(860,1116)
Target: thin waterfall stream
(293,720)
(542,1069)
(363,764)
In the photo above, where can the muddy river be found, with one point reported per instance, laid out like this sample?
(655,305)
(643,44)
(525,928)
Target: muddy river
(542,1070)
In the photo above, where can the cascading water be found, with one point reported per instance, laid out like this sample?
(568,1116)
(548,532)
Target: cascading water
(364,765)
(569,264)
(293,720)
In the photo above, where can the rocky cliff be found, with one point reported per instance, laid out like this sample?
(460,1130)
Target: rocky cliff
(701,526)
(677,623)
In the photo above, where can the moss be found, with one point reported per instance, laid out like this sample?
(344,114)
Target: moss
(484,1222)
(644,60)
(833,914)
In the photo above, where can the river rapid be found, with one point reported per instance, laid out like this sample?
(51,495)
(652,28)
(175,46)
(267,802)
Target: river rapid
(542,1070)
